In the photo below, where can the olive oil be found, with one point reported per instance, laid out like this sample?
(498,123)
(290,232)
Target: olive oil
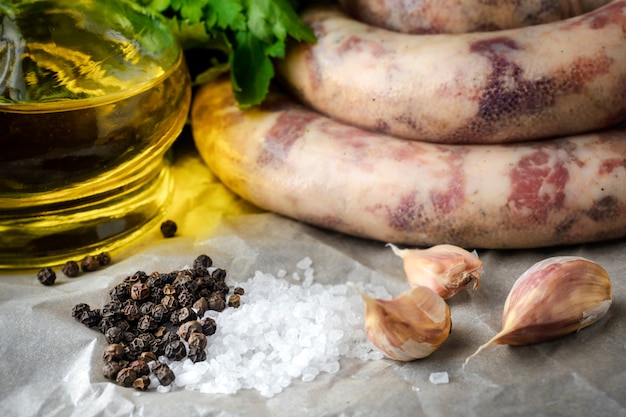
(92,96)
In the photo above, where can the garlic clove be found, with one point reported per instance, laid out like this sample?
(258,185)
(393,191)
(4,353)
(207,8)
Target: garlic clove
(554,297)
(410,326)
(446,269)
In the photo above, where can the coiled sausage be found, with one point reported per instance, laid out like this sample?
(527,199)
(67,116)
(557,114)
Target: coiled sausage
(489,87)
(286,158)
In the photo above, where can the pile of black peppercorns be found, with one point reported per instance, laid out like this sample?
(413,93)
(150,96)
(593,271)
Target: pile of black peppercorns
(160,314)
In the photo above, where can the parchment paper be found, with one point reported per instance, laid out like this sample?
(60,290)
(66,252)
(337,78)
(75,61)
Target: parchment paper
(50,365)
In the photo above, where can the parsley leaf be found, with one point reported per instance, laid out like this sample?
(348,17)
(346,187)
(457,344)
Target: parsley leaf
(236,36)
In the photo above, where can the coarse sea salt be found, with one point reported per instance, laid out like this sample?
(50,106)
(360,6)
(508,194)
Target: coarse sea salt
(281,331)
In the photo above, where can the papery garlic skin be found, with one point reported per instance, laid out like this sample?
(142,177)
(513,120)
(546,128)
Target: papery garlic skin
(446,269)
(554,297)
(410,326)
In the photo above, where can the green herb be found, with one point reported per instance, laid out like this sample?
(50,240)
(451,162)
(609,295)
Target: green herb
(237,36)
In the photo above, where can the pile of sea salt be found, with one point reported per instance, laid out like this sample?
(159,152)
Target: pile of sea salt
(286,327)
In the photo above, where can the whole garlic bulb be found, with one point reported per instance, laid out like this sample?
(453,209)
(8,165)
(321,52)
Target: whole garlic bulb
(446,269)
(410,326)
(554,297)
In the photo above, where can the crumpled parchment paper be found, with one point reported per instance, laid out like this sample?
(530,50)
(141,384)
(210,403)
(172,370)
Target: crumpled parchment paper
(50,365)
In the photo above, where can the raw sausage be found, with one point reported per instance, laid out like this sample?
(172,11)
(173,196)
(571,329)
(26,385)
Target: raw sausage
(462,16)
(488,87)
(288,159)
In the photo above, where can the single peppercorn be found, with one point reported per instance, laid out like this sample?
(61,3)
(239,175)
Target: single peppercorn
(79,309)
(168,228)
(200,306)
(113,353)
(196,354)
(89,264)
(170,302)
(238,291)
(160,313)
(71,269)
(131,312)
(163,373)
(146,308)
(202,261)
(126,377)
(148,356)
(146,323)
(140,367)
(111,369)
(209,326)
(234,301)
(175,350)
(103,258)
(197,340)
(46,276)
(186,329)
(142,383)
(139,291)
(113,335)
(90,318)
(216,302)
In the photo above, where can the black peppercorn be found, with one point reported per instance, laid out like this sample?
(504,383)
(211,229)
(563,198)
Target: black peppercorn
(71,269)
(201,306)
(106,323)
(139,291)
(142,383)
(202,261)
(175,350)
(46,276)
(111,369)
(197,354)
(170,302)
(169,289)
(112,309)
(209,326)
(131,312)
(140,367)
(146,308)
(79,309)
(160,313)
(238,291)
(216,302)
(234,301)
(148,356)
(113,335)
(90,318)
(168,228)
(113,353)
(146,323)
(154,280)
(186,298)
(126,377)
(89,264)
(103,258)
(163,373)
(197,340)
(188,328)
(185,314)
(219,274)
(121,292)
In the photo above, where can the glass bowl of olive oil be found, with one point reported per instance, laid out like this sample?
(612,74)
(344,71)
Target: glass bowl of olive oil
(92,95)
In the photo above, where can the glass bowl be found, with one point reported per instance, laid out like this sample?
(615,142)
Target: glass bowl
(92,95)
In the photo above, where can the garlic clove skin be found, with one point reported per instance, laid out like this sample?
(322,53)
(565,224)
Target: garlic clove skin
(410,326)
(446,269)
(554,297)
